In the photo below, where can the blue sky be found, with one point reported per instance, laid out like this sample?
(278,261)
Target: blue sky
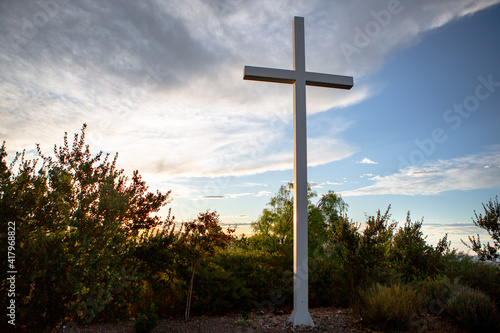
(161,83)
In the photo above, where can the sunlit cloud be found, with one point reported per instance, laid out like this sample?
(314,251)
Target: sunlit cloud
(161,82)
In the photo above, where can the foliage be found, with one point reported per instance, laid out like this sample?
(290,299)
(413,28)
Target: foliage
(327,283)
(276,222)
(473,309)
(274,228)
(201,238)
(491,223)
(145,323)
(88,248)
(475,274)
(76,217)
(158,261)
(389,307)
(245,320)
(242,279)
(437,290)
(375,244)
(411,256)
(362,255)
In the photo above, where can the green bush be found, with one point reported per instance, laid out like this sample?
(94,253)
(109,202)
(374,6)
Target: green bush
(475,274)
(389,308)
(473,309)
(410,254)
(77,217)
(436,292)
(242,280)
(145,323)
(324,274)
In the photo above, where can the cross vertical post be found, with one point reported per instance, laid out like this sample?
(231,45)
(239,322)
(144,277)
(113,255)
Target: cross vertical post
(300,314)
(299,78)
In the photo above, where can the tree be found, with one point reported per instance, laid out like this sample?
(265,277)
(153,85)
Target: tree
(274,228)
(491,223)
(411,256)
(362,255)
(200,239)
(77,217)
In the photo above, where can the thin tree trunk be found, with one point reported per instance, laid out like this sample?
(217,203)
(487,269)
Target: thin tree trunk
(188,302)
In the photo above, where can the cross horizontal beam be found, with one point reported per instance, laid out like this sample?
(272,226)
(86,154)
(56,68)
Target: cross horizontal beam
(290,76)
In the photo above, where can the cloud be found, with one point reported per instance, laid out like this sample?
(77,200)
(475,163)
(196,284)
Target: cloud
(234,195)
(161,82)
(237,195)
(255,184)
(239,216)
(432,178)
(334,183)
(366,161)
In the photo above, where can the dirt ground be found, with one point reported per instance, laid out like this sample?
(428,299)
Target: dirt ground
(325,320)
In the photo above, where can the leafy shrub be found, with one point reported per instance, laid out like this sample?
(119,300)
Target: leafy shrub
(472,308)
(145,323)
(389,308)
(77,216)
(324,273)
(410,254)
(161,283)
(242,280)
(362,255)
(436,292)
(475,274)
(437,287)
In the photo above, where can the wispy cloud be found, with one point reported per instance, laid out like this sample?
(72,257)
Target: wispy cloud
(214,197)
(236,195)
(239,216)
(460,174)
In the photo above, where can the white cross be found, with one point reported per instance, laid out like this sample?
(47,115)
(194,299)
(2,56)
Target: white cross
(299,78)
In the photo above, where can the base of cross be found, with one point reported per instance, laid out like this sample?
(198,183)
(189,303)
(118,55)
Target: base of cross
(301,317)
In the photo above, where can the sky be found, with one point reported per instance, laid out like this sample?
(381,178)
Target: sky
(161,83)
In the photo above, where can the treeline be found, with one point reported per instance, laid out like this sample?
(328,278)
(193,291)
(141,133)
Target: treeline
(88,248)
